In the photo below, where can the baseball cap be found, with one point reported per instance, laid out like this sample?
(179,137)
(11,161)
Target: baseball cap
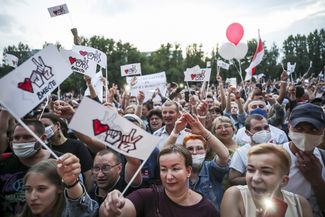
(309,113)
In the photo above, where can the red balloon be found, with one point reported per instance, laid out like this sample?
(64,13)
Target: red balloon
(235,32)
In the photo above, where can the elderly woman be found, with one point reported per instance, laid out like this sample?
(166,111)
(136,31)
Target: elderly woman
(267,172)
(173,198)
(224,130)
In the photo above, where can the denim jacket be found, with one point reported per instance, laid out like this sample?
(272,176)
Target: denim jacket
(210,182)
(81,207)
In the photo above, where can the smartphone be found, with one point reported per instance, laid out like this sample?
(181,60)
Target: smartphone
(278,208)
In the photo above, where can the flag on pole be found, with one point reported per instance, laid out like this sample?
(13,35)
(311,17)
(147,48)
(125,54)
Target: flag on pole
(131,69)
(107,126)
(222,64)
(58,10)
(10,60)
(257,59)
(290,68)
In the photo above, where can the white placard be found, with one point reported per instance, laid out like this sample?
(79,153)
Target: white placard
(30,83)
(58,10)
(131,69)
(106,125)
(148,84)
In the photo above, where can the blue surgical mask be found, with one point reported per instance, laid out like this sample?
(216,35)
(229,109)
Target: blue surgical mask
(49,132)
(259,111)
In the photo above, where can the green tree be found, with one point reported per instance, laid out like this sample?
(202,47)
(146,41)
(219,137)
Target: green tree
(22,51)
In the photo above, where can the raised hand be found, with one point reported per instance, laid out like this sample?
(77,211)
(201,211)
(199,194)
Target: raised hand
(69,168)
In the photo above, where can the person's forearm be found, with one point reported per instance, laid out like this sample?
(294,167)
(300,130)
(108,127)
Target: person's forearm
(228,106)
(319,190)
(138,110)
(282,92)
(171,140)
(240,106)
(94,145)
(131,167)
(75,192)
(238,181)
(218,147)
(92,91)
(222,96)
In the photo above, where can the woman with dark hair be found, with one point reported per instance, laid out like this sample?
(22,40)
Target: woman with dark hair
(52,188)
(173,198)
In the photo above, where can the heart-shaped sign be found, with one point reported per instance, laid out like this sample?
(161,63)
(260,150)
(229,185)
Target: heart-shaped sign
(72,60)
(193,76)
(26,85)
(99,127)
(83,53)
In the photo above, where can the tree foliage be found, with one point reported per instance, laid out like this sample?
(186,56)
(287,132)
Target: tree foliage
(169,58)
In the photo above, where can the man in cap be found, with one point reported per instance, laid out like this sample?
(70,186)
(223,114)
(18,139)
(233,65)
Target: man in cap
(307,172)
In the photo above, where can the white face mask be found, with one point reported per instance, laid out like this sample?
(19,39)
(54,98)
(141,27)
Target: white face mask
(305,141)
(49,132)
(197,160)
(24,150)
(260,137)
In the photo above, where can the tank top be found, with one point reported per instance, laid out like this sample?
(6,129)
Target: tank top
(294,207)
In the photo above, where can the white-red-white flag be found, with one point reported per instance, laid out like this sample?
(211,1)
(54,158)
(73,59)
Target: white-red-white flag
(257,58)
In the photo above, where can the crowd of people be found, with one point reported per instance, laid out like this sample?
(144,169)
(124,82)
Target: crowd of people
(256,149)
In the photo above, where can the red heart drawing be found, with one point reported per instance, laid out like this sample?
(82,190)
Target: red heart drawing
(72,60)
(99,127)
(126,71)
(193,76)
(26,85)
(83,53)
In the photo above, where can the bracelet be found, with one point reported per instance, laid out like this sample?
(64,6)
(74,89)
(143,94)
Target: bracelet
(72,185)
(208,136)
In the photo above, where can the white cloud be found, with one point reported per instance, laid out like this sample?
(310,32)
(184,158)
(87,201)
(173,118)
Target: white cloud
(149,23)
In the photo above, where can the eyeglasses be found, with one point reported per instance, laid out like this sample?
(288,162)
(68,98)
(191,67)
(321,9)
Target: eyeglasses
(224,126)
(105,169)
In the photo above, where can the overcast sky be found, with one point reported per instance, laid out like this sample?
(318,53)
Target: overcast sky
(149,23)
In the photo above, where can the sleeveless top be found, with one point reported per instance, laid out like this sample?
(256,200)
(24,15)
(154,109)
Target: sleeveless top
(294,207)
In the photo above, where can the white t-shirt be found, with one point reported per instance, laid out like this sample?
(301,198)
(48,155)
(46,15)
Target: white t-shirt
(278,136)
(239,159)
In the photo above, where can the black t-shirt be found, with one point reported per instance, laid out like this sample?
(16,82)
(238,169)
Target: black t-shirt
(12,194)
(79,149)
(120,185)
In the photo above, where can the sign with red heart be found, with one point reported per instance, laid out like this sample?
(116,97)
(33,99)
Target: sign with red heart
(99,127)
(193,76)
(83,53)
(72,60)
(26,85)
